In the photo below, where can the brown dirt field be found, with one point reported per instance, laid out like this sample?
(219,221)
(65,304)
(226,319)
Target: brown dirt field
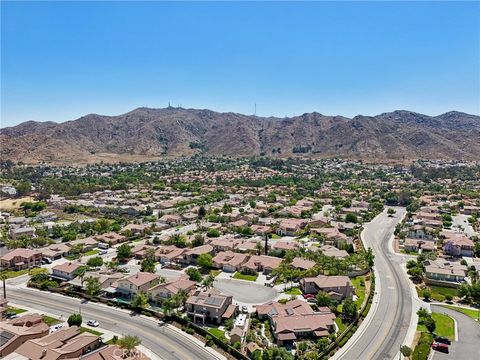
(13,204)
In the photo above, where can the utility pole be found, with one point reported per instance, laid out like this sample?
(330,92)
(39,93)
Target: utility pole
(4,281)
(266,244)
(255,112)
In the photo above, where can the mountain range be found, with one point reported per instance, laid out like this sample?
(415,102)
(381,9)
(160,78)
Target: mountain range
(146,133)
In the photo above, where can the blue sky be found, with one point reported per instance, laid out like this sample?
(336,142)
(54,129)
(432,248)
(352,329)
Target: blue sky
(62,60)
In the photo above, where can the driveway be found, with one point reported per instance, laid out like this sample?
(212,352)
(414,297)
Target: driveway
(468,345)
(246,292)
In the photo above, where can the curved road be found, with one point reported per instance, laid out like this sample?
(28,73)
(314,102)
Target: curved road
(385,328)
(468,345)
(163,341)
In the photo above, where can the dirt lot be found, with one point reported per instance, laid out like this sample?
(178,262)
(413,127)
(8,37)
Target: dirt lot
(13,204)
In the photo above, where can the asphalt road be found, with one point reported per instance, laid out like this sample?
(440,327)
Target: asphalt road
(468,345)
(383,336)
(164,342)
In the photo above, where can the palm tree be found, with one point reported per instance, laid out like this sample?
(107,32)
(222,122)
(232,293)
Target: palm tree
(93,286)
(208,281)
(167,307)
(128,343)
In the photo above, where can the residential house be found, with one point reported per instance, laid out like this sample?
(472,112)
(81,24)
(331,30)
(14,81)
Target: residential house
(133,285)
(172,220)
(289,227)
(66,343)
(190,256)
(14,333)
(210,306)
(161,292)
(55,251)
(338,287)
(229,261)
(65,271)
(20,258)
(302,264)
(111,238)
(20,232)
(442,271)
(459,246)
(264,263)
(332,251)
(296,320)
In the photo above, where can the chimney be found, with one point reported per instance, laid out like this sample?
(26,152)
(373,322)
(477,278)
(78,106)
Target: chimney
(44,352)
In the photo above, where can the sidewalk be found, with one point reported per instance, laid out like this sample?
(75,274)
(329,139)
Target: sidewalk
(106,334)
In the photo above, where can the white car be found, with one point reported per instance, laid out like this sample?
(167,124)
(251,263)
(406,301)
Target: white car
(93,323)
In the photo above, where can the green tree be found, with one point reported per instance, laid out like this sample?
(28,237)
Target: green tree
(208,281)
(323,299)
(426,294)
(148,265)
(140,301)
(199,240)
(95,261)
(349,309)
(93,286)
(430,324)
(205,261)
(193,274)
(213,233)
(124,251)
(74,320)
(351,218)
(23,188)
(406,351)
(201,212)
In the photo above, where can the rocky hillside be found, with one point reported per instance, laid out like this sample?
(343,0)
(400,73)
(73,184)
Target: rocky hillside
(153,133)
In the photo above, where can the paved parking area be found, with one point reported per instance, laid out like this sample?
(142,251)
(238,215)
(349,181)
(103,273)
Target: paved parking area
(468,345)
(246,292)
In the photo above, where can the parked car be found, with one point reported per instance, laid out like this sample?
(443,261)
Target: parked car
(308,296)
(93,323)
(443,340)
(56,327)
(11,315)
(244,309)
(440,347)
(103,252)
(46,261)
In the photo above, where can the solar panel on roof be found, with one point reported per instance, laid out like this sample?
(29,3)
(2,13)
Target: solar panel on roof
(6,334)
(4,337)
(213,301)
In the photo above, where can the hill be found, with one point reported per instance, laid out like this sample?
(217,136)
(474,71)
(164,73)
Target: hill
(146,133)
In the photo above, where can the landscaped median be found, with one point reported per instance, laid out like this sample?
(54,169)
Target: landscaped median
(474,314)
(241,276)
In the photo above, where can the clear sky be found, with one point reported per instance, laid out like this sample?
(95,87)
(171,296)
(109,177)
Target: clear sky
(62,60)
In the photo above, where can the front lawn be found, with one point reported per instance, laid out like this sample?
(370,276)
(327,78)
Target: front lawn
(92,252)
(15,310)
(445,326)
(293,291)
(219,334)
(50,321)
(340,324)
(474,314)
(359,284)
(13,273)
(241,276)
(91,331)
(215,273)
